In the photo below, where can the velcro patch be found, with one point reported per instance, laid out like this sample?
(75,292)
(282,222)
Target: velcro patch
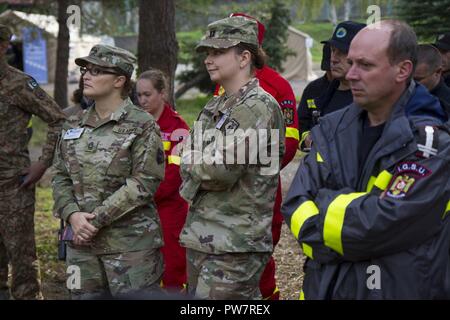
(231,126)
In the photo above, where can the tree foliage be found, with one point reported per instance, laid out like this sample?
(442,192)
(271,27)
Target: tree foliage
(427,17)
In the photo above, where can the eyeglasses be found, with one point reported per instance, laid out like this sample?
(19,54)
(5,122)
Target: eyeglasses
(95,71)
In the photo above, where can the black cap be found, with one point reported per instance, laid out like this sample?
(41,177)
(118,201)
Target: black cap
(443,42)
(326,56)
(344,34)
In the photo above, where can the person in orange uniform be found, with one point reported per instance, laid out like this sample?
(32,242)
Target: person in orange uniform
(281,90)
(151,92)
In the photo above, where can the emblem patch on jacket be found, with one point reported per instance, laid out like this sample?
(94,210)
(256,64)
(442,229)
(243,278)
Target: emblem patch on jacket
(406,175)
(288,116)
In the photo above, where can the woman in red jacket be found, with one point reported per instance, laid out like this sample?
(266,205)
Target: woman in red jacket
(151,91)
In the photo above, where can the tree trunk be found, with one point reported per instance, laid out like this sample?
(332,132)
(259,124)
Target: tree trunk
(333,14)
(348,10)
(157,43)
(62,55)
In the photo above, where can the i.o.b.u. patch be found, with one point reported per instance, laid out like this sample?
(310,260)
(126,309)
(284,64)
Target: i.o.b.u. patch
(406,174)
(288,116)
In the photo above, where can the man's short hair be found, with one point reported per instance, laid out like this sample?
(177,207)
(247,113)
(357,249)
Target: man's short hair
(402,43)
(430,56)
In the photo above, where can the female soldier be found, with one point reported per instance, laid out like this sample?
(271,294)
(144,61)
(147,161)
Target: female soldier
(151,92)
(228,229)
(108,164)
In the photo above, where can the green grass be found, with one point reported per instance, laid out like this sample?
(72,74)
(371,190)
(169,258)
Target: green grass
(46,227)
(189,109)
(319,31)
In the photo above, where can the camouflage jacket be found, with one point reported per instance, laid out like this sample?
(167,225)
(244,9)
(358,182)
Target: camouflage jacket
(232,200)
(20,98)
(112,168)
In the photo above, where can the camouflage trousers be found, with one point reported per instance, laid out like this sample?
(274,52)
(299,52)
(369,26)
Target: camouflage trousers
(230,276)
(17,245)
(121,275)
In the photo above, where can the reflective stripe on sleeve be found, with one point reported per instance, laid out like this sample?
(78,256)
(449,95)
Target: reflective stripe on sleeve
(302,295)
(167,145)
(307,250)
(305,211)
(334,220)
(292,133)
(381,182)
(174,160)
(319,157)
(447,210)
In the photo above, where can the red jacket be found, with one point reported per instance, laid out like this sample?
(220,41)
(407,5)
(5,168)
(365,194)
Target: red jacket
(168,191)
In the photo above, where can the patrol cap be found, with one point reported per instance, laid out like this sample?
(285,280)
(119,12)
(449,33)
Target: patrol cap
(109,57)
(443,41)
(344,34)
(5,33)
(228,32)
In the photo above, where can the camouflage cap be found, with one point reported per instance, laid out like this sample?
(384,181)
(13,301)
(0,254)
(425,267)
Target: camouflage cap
(229,32)
(5,33)
(109,57)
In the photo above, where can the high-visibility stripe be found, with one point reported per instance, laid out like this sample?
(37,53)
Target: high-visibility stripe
(305,211)
(30,123)
(371,183)
(381,182)
(311,104)
(292,133)
(307,250)
(275,291)
(447,210)
(319,157)
(167,145)
(302,295)
(334,220)
(304,134)
(174,160)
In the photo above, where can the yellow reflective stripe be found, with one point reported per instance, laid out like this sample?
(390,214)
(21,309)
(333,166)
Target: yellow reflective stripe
(381,182)
(304,134)
(302,295)
(273,293)
(334,220)
(292,133)
(311,104)
(174,160)
(30,124)
(371,183)
(447,209)
(319,157)
(167,145)
(305,211)
(307,250)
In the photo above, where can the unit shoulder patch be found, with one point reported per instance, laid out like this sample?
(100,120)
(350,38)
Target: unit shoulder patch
(406,174)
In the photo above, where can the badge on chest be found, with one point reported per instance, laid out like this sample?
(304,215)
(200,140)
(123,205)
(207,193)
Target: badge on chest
(73,134)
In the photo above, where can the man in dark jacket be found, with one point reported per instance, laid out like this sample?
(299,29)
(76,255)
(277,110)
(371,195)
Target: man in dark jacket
(429,73)
(443,45)
(369,205)
(338,94)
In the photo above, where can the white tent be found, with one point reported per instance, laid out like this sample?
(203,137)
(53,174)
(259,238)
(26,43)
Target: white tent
(298,67)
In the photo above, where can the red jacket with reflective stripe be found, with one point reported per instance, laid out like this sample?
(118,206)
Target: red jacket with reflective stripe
(173,127)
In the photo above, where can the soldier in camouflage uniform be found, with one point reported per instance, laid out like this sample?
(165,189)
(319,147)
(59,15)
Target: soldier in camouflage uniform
(109,163)
(228,229)
(21,97)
